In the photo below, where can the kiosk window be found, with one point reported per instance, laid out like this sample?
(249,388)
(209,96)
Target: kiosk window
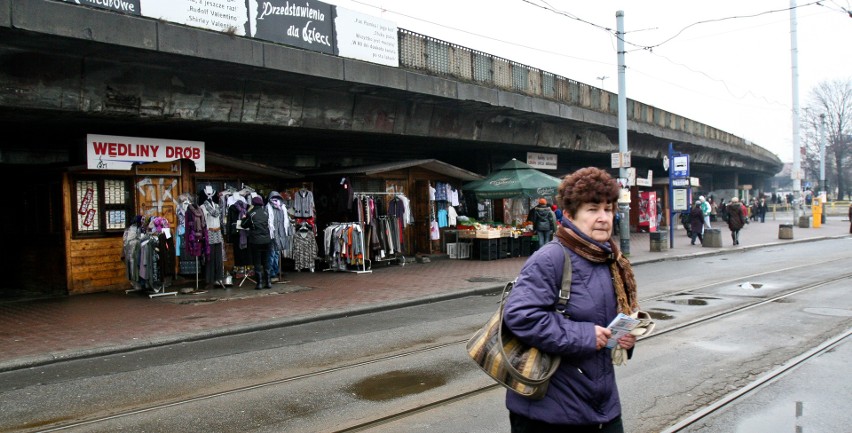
(101,206)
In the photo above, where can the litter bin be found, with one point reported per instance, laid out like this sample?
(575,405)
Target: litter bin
(712,238)
(785,231)
(659,242)
(816,209)
(804,222)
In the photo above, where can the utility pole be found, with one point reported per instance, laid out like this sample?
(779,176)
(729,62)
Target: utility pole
(822,163)
(623,202)
(796,173)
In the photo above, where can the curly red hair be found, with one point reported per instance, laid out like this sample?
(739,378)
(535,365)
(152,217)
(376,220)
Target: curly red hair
(586,185)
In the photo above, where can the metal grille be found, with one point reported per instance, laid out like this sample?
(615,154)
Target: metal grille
(502,73)
(548,85)
(116,219)
(482,69)
(114,192)
(437,58)
(520,77)
(461,62)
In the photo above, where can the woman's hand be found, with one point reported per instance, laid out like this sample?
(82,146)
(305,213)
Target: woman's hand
(601,336)
(627,341)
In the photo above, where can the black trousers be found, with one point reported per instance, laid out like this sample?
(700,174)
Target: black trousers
(522,424)
(260,257)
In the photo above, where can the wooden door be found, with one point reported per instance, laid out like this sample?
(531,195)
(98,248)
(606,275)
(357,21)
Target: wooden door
(422,219)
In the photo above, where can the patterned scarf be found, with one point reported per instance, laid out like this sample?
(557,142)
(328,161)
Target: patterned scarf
(622,273)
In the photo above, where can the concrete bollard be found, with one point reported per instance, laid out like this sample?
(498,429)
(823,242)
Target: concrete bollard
(804,221)
(712,238)
(659,241)
(785,231)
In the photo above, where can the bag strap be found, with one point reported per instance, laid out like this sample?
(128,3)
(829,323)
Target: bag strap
(564,295)
(565,290)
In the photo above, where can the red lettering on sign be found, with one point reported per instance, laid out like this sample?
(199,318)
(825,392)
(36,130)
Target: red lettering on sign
(90,217)
(86,202)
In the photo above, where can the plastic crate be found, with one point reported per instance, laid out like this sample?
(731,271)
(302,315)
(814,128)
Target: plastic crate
(452,250)
(463,249)
(458,250)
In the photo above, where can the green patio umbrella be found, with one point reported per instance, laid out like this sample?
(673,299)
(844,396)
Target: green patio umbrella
(513,180)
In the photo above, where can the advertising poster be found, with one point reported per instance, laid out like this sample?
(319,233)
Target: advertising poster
(129,7)
(648,211)
(227,16)
(367,38)
(303,24)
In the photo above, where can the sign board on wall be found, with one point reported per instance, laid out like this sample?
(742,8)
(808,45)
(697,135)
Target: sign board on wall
(113,152)
(547,161)
(364,37)
(305,24)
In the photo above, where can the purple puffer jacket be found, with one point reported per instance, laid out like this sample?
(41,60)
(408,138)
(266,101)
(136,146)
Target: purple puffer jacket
(583,390)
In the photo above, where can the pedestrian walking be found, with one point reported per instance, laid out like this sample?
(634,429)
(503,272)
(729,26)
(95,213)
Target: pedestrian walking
(850,217)
(714,209)
(762,208)
(582,393)
(705,211)
(696,222)
(544,222)
(736,219)
(659,213)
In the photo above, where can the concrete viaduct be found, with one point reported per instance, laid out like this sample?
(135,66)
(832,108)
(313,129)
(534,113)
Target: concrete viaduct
(68,70)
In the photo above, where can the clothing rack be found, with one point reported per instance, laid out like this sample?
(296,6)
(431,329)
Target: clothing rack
(397,256)
(363,269)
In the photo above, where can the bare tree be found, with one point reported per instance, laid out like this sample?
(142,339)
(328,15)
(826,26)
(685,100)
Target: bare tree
(833,99)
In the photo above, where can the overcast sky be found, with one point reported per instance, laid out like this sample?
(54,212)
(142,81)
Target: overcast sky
(725,63)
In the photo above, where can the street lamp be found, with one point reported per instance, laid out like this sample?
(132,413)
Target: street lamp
(602,78)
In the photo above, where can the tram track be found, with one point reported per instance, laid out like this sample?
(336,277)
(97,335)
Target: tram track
(766,379)
(81,423)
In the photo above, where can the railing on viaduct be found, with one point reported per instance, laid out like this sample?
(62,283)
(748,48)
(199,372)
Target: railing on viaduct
(438,57)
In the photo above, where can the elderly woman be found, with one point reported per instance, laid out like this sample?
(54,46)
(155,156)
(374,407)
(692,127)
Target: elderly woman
(583,393)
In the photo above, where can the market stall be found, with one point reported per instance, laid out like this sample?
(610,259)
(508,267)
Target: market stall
(515,184)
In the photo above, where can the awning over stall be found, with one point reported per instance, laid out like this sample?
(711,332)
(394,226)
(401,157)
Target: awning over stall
(513,180)
(434,165)
(252,167)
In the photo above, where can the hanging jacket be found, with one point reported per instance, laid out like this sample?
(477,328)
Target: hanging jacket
(196,232)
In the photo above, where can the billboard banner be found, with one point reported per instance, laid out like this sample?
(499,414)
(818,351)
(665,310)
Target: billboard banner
(364,37)
(229,16)
(303,24)
(129,7)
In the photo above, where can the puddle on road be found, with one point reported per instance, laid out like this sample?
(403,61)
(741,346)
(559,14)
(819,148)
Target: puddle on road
(658,315)
(397,384)
(691,301)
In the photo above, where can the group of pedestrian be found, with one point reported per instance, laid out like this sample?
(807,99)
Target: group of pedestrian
(735,213)
(758,209)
